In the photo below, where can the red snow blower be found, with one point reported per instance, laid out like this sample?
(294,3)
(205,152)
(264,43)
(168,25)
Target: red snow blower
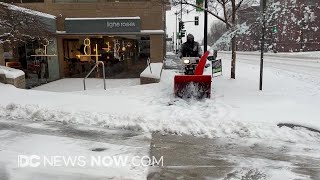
(193,83)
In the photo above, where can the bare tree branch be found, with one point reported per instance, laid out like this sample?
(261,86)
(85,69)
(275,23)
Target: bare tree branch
(213,14)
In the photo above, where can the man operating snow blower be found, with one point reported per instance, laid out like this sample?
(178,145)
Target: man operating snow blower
(193,83)
(190,48)
(190,53)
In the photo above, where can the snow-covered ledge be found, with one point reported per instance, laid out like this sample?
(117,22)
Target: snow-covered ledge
(152,74)
(12,76)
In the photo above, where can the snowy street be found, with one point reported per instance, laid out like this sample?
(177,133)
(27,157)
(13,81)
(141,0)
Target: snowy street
(188,157)
(307,63)
(233,135)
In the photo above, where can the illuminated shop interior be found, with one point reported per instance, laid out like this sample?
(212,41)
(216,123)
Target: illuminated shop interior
(124,56)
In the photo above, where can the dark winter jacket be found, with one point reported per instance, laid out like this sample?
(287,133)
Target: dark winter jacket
(190,49)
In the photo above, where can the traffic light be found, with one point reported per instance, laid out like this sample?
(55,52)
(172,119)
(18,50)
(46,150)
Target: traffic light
(181,25)
(183,33)
(196,20)
(274,29)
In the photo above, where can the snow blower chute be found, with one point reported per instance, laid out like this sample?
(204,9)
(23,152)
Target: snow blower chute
(193,84)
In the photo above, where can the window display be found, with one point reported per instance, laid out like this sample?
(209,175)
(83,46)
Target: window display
(123,56)
(38,60)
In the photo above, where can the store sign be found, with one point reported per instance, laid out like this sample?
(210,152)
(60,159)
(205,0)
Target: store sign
(199,4)
(91,26)
(216,67)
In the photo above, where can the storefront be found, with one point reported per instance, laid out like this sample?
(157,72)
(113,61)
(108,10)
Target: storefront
(37,58)
(126,33)
(121,45)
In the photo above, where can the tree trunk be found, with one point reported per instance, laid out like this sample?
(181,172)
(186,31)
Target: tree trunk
(233,61)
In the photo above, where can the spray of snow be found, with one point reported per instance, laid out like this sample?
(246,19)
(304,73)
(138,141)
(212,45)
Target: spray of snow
(225,39)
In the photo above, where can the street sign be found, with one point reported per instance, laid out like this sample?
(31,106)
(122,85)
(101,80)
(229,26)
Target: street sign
(199,4)
(216,67)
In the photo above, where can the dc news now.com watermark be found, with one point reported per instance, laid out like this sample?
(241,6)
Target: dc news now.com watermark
(87,161)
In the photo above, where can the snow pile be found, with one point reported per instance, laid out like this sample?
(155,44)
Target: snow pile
(11,72)
(210,118)
(153,71)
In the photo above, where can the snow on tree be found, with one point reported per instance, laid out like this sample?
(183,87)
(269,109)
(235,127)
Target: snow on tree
(19,26)
(289,21)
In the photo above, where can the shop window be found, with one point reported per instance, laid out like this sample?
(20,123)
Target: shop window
(144,47)
(123,55)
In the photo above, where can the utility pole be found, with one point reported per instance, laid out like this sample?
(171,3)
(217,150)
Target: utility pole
(181,10)
(181,18)
(263,4)
(205,32)
(173,49)
(176,38)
